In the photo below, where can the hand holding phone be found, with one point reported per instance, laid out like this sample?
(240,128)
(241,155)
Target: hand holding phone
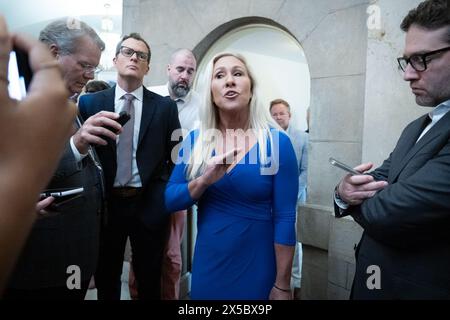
(122,120)
(344,167)
(62,197)
(62,193)
(19,74)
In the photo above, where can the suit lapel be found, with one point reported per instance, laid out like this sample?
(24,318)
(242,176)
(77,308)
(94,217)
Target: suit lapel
(148,111)
(107,99)
(411,149)
(108,105)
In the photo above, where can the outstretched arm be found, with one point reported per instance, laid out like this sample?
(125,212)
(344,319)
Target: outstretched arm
(40,125)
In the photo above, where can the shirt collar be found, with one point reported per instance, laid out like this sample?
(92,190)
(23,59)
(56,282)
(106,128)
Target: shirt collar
(437,113)
(138,93)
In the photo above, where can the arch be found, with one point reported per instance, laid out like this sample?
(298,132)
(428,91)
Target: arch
(202,47)
(275,54)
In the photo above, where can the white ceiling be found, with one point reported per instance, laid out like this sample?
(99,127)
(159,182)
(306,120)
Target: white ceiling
(27,16)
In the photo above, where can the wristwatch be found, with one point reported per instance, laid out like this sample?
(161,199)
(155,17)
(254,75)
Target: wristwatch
(338,200)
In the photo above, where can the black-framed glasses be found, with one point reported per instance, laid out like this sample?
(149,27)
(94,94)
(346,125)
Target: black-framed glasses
(419,61)
(89,69)
(128,52)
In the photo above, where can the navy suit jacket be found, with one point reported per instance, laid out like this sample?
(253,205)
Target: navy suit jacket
(153,155)
(407,224)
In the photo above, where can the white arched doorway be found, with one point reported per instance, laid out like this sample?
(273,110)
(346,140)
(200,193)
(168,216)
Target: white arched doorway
(281,69)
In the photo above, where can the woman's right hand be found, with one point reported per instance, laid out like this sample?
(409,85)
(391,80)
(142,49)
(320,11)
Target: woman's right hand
(215,169)
(218,165)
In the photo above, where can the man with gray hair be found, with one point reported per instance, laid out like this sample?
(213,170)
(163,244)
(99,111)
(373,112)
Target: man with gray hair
(60,255)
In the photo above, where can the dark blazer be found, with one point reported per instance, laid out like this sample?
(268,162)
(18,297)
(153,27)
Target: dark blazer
(407,224)
(70,237)
(153,155)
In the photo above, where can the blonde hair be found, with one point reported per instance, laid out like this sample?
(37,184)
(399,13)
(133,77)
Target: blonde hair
(260,121)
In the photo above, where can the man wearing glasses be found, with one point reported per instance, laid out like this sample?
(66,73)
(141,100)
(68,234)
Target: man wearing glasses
(136,168)
(65,235)
(404,205)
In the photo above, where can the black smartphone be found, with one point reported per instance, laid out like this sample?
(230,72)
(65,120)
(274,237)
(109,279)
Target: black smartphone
(19,74)
(62,197)
(123,118)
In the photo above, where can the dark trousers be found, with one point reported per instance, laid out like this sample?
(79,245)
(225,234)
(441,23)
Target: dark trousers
(52,293)
(147,245)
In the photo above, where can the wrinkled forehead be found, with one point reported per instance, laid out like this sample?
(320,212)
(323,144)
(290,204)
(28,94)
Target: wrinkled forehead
(420,40)
(135,44)
(87,51)
(229,62)
(185,61)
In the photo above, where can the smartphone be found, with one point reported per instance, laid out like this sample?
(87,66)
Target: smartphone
(62,193)
(343,166)
(19,74)
(123,118)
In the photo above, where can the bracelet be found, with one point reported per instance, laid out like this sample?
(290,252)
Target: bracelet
(284,290)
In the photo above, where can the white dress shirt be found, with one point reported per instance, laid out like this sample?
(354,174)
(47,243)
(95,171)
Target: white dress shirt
(187,107)
(435,116)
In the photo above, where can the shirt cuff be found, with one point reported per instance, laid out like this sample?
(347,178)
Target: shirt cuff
(78,156)
(339,202)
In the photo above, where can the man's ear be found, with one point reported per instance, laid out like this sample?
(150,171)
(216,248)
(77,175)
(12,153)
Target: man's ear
(54,50)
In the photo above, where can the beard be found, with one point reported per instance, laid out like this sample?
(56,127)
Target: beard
(425,101)
(430,100)
(180,90)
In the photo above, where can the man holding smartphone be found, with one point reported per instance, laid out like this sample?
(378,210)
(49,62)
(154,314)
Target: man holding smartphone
(136,168)
(65,236)
(403,206)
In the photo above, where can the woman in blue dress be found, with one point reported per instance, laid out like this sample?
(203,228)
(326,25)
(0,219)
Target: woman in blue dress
(241,170)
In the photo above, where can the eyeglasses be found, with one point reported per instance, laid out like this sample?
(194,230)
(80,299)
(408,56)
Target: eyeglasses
(419,61)
(128,52)
(281,114)
(89,69)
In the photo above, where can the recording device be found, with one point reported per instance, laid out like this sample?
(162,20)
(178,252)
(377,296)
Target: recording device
(19,74)
(123,118)
(62,193)
(343,166)
(62,197)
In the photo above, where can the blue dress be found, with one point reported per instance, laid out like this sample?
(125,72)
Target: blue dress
(240,217)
